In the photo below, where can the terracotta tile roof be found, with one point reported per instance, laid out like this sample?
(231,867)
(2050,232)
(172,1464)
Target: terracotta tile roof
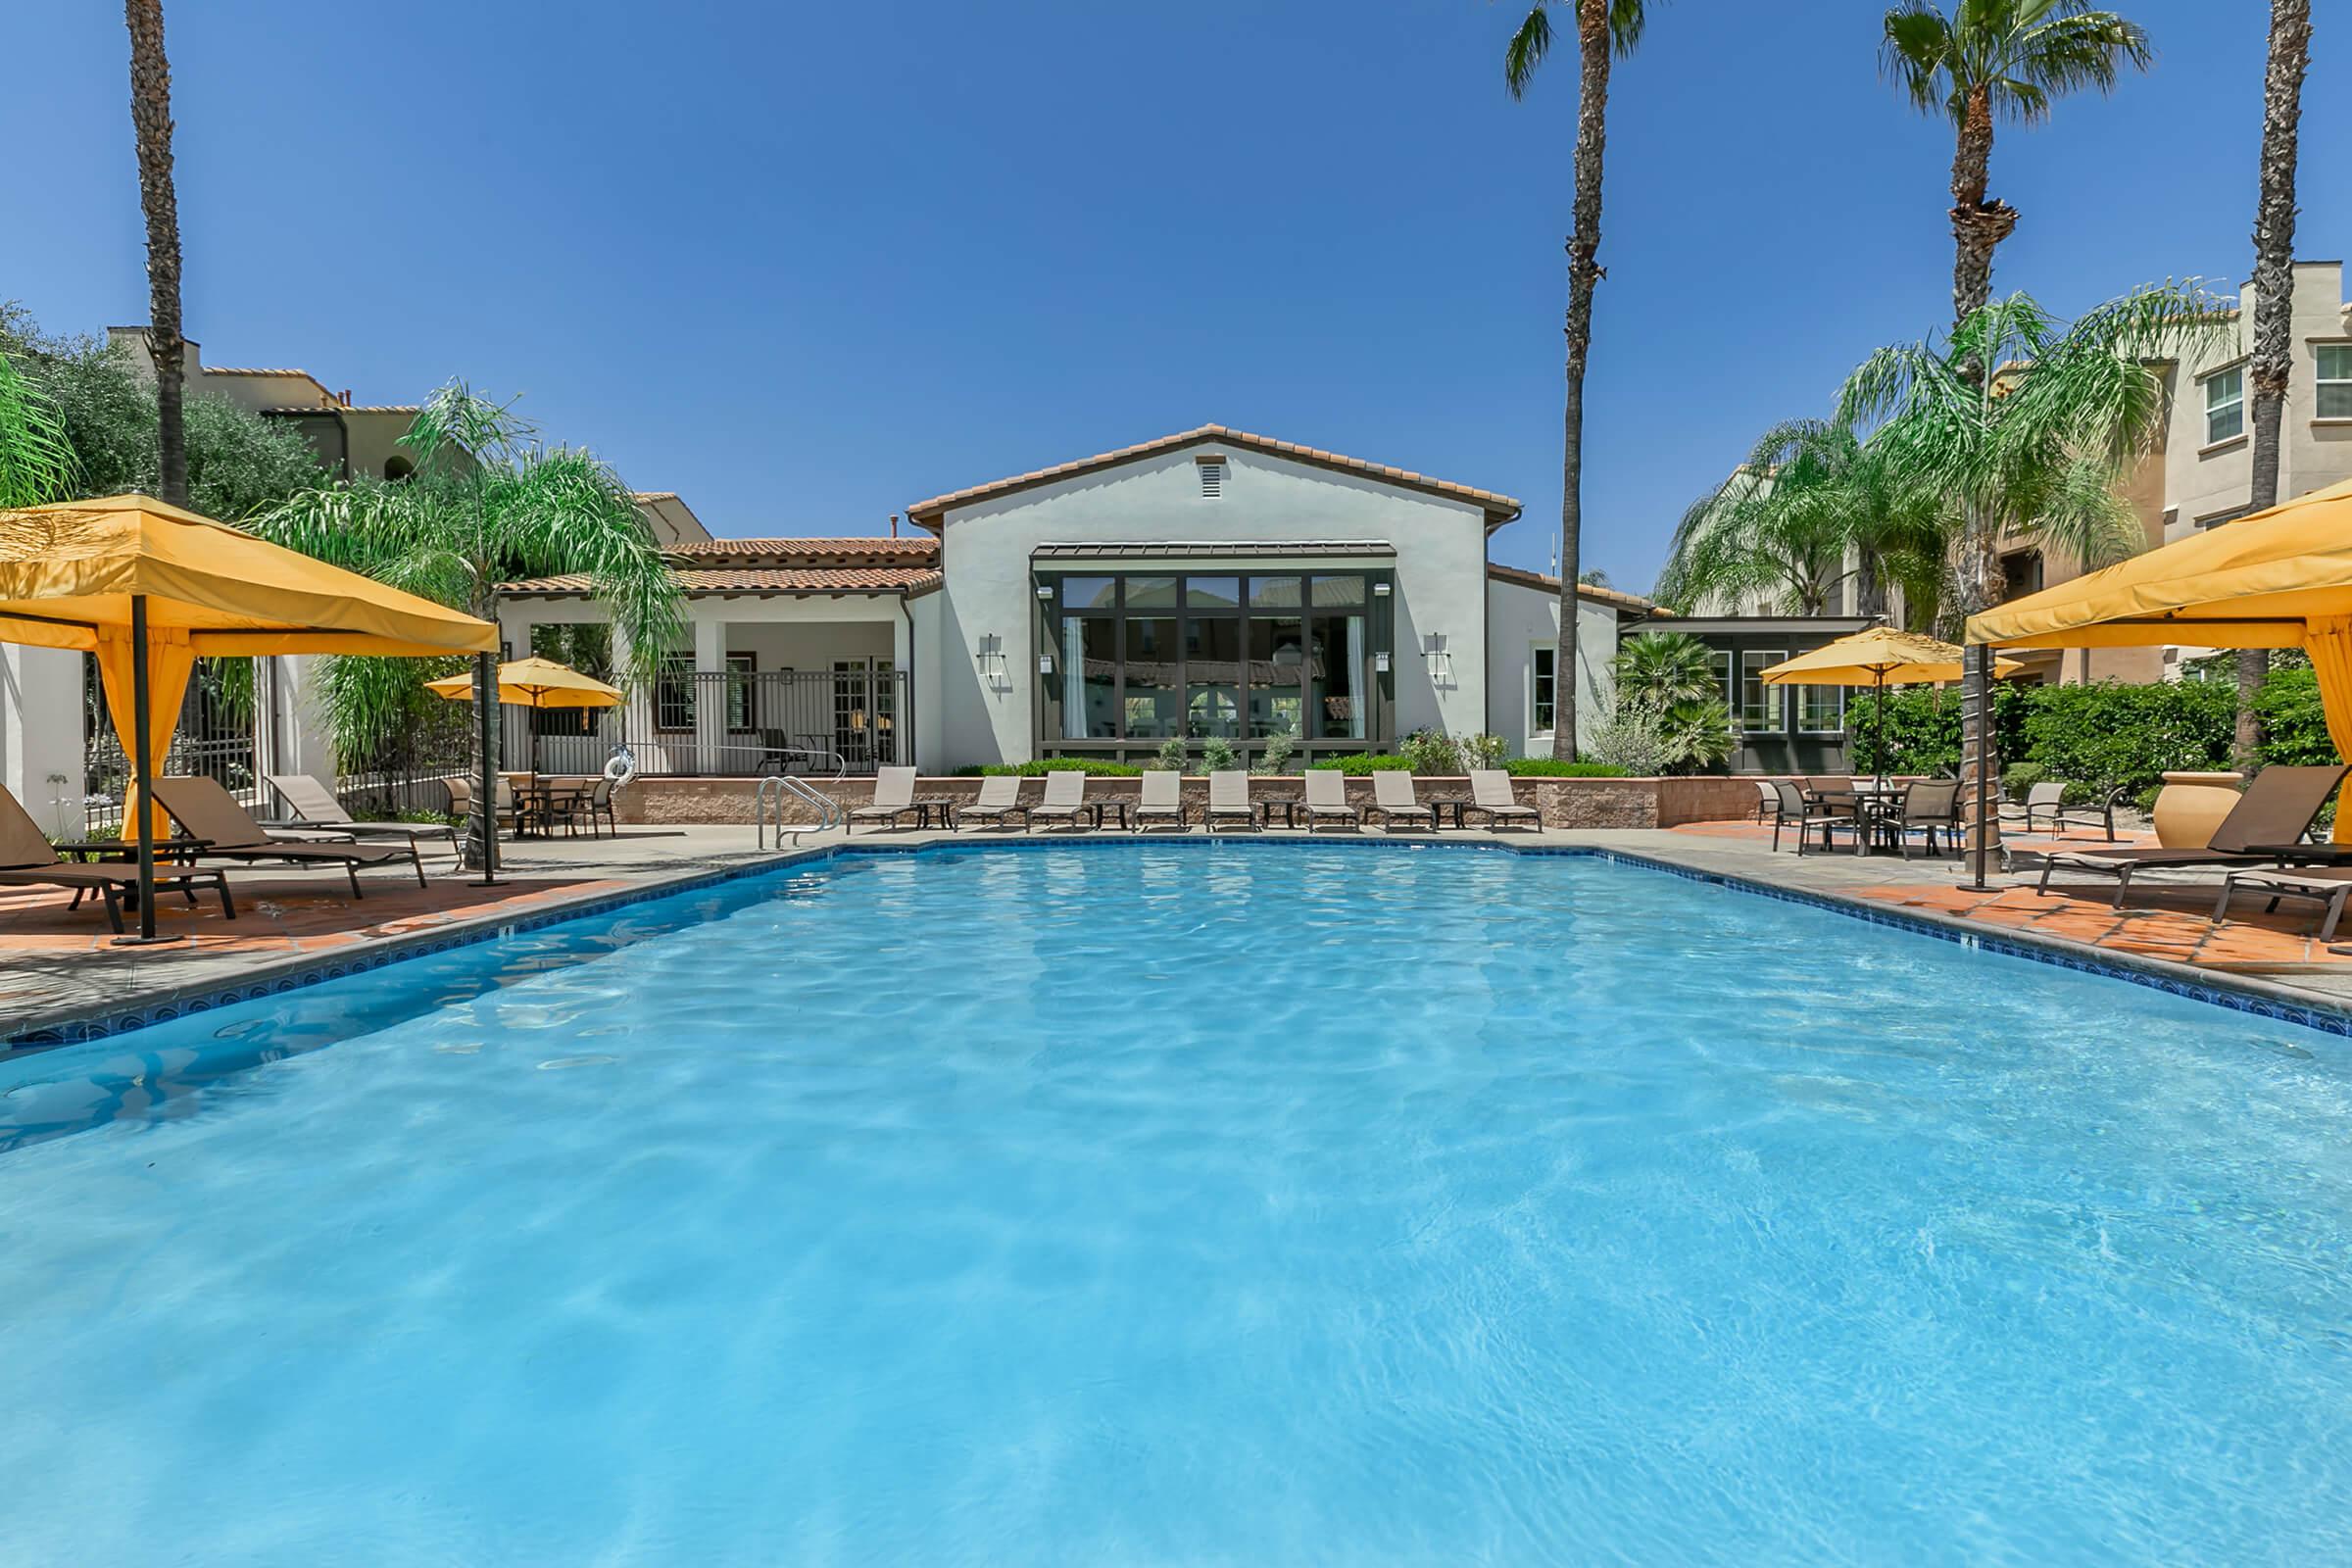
(809,552)
(1500,508)
(1536,579)
(653,495)
(909,580)
(247,369)
(349,408)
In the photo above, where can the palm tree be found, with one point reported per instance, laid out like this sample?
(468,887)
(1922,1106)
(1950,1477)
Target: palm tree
(1993,60)
(36,453)
(151,123)
(1810,507)
(2273,357)
(1604,27)
(1666,687)
(485,505)
(2034,452)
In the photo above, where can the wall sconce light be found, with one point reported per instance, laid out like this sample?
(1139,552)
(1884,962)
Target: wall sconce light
(1440,663)
(1380,590)
(1045,664)
(1044,590)
(991,658)
(1380,663)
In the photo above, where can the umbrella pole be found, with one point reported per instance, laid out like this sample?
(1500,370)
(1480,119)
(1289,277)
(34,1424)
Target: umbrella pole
(143,782)
(1878,724)
(485,701)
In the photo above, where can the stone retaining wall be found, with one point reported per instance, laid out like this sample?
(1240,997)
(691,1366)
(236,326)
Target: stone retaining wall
(1565,802)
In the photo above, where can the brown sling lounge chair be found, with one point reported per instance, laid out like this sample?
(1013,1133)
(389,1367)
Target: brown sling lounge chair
(2278,807)
(28,860)
(209,813)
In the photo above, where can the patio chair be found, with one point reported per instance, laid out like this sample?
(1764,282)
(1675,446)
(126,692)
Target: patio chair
(1327,799)
(209,812)
(1490,793)
(461,804)
(1064,802)
(2048,799)
(1162,802)
(1392,796)
(1000,798)
(894,797)
(1228,799)
(313,804)
(1768,800)
(1926,808)
(1804,812)
(2328,886)
(2278,807)
(28,860)
(599,807)
(1831,787)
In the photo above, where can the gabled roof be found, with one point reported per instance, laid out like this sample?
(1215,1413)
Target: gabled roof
(1500,508)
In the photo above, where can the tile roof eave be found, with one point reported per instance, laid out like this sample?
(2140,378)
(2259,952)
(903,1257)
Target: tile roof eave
(1525,578)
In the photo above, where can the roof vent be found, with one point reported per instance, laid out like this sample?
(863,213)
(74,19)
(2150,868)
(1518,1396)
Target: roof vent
(1212,469)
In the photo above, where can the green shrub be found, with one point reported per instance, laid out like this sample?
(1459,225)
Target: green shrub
(2019,778)
(1039,766)
(2108,736)
(1275,756)
(1431,753)
(2294,727)
(1217,756)
(1358,765)
(1554,767)
(1170,758)
(1483,752)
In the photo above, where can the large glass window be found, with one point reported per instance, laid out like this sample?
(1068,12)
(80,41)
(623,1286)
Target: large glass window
(2225,405)
(1277,674)
(1150,656)
(673,693)
(1212,676)
(1719,663)
(740,669)
(2335,381)
(1089,662)
(1821,709)
(1544,692)
(1760,706)
(1337,696)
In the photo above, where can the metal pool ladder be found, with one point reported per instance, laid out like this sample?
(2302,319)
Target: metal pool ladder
(775,786)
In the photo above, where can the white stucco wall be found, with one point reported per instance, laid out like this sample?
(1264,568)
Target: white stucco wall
(40,733)
(1440,566)
(1523,619)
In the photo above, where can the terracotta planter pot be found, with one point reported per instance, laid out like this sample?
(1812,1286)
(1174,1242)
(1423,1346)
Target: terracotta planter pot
(2191,806)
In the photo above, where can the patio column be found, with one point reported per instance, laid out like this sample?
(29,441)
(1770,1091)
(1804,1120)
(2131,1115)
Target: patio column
(709,696)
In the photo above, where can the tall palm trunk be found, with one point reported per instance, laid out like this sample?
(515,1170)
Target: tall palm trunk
(1584,271)
(1977,224)
(151,121)
(2272,358)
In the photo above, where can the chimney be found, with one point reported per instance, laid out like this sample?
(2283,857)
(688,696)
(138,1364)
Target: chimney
(347,397)
(894,525)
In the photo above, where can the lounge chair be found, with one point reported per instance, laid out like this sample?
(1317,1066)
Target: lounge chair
(2048,801)
(894,797)
(209,813)
(1490,793)
(1065,800)
(1804,812)
(1162,802)
(1000,798)
(313,804)
(1228,799)
(2328,886)
(1327,799)
(2278,807)
(1392,797)
(28,860)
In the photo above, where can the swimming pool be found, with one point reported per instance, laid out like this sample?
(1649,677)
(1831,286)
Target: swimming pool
(1247,1204)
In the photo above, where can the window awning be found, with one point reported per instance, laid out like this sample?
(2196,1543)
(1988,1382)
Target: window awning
(1195,550)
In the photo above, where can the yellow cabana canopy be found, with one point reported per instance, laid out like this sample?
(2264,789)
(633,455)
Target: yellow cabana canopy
(148,587)
(1878,656)
(535,683)
(2280,578)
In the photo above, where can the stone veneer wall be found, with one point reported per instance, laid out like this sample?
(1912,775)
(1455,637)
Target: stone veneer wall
(1565,802)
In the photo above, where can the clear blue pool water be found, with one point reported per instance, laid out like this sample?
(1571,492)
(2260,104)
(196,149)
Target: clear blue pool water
(1180,1205)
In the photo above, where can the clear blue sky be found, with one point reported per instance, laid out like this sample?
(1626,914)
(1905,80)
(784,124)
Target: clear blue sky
(806,263)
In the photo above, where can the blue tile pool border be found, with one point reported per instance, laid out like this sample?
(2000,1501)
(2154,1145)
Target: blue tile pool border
(2235,993)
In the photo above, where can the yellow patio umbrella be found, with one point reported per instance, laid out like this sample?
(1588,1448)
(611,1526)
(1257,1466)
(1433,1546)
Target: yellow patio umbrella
(535,683)
(2280,578)
(1879,657)
(149,588)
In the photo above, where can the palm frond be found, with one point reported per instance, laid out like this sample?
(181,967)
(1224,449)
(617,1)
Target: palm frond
(37,463)
(1529,44)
